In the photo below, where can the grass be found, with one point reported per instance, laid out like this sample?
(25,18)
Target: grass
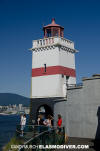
(13,141)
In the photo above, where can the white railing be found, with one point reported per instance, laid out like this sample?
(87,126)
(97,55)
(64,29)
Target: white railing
(67,43)
(51,41)
(79,85)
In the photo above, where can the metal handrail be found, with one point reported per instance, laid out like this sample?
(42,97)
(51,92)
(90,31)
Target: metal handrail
(34,126)
(33,138)
(18,129)
(41,137)
(37,136)
(54,128)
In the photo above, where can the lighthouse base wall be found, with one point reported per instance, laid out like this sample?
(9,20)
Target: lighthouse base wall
(60,108)
(80,111)
(83,110)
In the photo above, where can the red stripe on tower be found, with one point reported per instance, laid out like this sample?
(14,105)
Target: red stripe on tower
(52,70)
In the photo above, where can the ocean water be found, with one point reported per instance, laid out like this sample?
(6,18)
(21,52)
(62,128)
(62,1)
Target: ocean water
(7,128)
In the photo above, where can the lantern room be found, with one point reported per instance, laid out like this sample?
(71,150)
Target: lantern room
(53,29)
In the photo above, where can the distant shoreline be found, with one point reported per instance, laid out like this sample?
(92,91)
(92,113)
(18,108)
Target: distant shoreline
(8,114)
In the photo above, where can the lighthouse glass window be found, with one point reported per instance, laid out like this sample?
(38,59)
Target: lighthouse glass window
(55,32)
(48,32)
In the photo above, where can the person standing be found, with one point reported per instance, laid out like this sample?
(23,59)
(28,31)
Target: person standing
(38,119)
(21,118)
(23,123)
(59,123)
(40,123)
(47,122)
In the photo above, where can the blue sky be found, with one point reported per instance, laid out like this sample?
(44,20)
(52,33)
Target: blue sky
(21,22)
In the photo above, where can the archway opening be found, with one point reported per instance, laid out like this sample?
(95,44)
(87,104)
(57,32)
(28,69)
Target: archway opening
(45,110)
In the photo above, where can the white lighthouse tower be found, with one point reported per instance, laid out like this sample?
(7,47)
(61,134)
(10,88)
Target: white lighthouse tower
(53,63)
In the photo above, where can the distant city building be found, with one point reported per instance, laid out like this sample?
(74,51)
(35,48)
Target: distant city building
(20,107)
(14,109)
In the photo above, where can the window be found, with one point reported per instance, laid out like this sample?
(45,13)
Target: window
(55,32)
(62,75)
(48,32)
(67,77)
(44,67)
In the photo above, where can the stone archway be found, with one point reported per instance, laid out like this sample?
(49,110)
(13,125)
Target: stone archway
(36,104)
(44,110)
(52,106)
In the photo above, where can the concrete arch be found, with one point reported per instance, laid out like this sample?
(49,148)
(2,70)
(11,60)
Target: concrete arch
(35,105)
(47,108)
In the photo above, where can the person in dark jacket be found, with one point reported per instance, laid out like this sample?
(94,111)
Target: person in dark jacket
(40,123)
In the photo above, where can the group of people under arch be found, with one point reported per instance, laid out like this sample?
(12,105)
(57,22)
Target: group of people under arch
(48,122)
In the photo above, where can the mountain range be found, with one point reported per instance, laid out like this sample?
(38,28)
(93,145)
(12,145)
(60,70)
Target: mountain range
(9,98)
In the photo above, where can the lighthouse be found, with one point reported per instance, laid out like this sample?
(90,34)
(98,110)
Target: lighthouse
(53,63)
(54,88)
(53,66)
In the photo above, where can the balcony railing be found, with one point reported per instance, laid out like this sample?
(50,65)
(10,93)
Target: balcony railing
(79,85)
(52,41)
